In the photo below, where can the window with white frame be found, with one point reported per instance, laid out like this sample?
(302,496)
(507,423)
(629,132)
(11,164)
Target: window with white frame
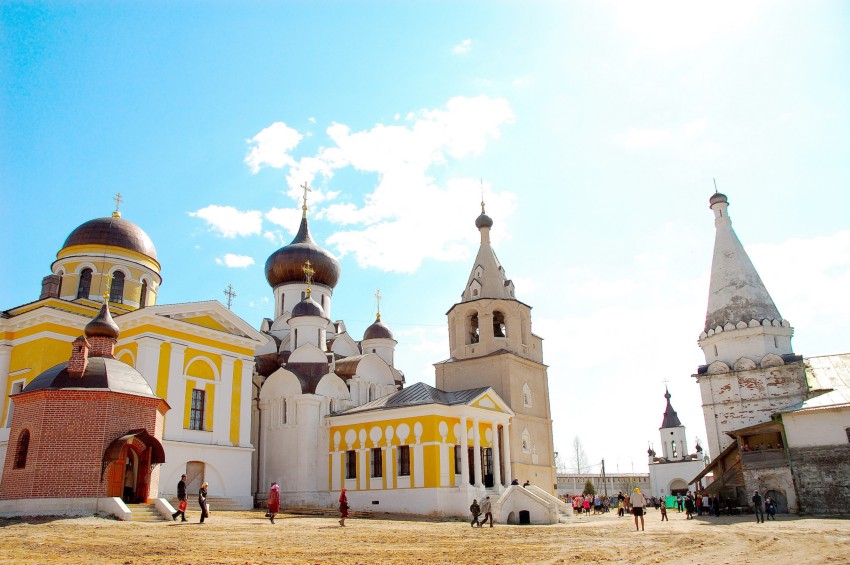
(526,395)
(197,410)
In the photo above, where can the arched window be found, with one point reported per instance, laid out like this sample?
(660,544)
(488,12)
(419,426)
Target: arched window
(143,297)
(85,284)
(282,411)
(331,405)
(499,327)
(116,289)
(472,329)
(373,391)
(526,441)
(526,395)
(23,450)
(674,450)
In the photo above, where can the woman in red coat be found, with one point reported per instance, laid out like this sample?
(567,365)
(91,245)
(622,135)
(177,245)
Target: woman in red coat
(343,507)
(274,501)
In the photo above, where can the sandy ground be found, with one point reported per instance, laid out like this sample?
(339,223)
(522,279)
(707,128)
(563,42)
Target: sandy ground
(247,537)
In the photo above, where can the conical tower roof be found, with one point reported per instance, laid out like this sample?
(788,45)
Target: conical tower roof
(487,271)
(736,293)
(671,419)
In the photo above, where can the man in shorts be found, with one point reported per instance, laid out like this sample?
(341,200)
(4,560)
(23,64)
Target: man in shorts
(637,501)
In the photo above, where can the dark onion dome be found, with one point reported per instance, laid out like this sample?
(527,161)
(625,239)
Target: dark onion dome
(717,197)
(103,325)
(377,330)
(483,221)
(286,265)
(308,307)
(117,232)
(101,373)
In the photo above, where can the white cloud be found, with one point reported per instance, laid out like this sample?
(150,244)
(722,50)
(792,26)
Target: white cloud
(287,218)
(235,261)
(229,221)
(271,147)
(646,138)
(463,47)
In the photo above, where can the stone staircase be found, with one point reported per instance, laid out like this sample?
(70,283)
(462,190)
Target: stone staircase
(324,512)
(217,504)
(145,513)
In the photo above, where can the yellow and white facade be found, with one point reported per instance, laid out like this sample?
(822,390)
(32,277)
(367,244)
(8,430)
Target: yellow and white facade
(198,351)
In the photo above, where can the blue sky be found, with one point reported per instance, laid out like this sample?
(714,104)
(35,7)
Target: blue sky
(597,128)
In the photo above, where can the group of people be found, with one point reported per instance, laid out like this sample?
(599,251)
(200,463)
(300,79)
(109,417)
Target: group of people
(485,508)
(183,502)
(762,507)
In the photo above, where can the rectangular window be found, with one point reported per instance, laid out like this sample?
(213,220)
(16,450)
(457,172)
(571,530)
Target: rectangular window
(196,413)
(457,460)
(377,463)
(351,464)
(404,461)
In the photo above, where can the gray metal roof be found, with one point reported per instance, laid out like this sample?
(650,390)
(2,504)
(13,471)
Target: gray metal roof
(102,373)
(419,394)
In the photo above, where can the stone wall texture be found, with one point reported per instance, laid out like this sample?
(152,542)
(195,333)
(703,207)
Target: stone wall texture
(823,478)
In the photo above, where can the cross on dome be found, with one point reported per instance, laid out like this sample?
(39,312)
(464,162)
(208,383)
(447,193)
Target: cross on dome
(378,302)
(118,201)
(308,269)
(307,189)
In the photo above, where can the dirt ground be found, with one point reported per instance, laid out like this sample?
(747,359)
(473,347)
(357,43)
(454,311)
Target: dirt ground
(247,537)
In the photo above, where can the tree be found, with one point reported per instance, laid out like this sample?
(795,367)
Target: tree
(578,458)
(589,488)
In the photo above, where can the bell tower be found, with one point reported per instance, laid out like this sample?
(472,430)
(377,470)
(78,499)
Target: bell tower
(491,344)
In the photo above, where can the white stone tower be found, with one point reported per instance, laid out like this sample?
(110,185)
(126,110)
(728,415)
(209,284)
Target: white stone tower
(674,444)
(491,344)
(751,370)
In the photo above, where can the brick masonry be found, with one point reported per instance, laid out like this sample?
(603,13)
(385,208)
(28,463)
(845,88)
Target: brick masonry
(70,430)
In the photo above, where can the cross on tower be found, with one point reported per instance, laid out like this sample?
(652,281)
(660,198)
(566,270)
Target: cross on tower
(378,302)
(309,271)
(118,201)
(230,294)
(482,195)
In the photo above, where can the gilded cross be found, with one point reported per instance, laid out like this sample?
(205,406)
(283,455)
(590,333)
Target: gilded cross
(309,271)
(378,302)
(108,285)
(230,294)
(118,201)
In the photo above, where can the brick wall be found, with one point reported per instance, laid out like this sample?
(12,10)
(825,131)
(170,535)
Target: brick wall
(69,432)
(823,478)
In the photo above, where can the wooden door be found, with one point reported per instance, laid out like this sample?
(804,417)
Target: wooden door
(116,475)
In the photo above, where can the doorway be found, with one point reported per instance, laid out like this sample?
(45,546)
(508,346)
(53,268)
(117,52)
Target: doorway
(487,466)
(194,476)
(779,500)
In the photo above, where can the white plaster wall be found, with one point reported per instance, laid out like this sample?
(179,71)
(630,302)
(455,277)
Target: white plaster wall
(662,475)
(738,399)
(226,469)
(817,427)
(64,507)
(754,343)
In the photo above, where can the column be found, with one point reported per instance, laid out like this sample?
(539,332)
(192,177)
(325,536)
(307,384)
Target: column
(5,362)
(464,454)
(176,392)
(247,391)
(147,360)
(497,474)
(223,402)
(506,434)
(476,453)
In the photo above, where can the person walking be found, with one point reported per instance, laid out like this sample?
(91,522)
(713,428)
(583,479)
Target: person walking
(181,497)
(770,508)
(689,506)
(680,503)
(487,510)
(274,501)
(664,513)
(343,508)
(475,510)
(758,507)
(715,505)
(202,502)
(637,501)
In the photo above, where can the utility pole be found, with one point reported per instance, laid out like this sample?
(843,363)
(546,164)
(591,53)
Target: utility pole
(604,482)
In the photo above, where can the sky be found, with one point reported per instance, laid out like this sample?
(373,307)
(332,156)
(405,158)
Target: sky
(596,131)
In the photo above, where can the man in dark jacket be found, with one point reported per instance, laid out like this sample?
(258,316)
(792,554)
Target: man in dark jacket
(181,496)
(475,510)
(758,507)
